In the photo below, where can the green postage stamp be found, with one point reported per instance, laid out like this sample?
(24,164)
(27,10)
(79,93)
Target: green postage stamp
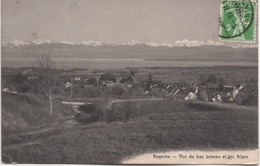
(238,20)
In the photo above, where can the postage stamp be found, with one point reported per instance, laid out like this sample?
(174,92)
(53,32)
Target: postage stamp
(238,20)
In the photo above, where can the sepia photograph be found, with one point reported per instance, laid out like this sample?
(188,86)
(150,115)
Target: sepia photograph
(129,82)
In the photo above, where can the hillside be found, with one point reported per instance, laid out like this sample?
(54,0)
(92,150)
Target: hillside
(25,111)
(137,127)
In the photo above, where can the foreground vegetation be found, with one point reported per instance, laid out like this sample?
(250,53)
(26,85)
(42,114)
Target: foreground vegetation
(143,127)
(21,112)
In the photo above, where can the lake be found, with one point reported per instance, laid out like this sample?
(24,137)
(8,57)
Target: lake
(103,63)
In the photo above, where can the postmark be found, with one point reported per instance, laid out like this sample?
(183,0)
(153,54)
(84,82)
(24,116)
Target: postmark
(238,20)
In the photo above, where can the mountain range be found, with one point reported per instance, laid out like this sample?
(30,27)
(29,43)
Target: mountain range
(180,43)
(97,55)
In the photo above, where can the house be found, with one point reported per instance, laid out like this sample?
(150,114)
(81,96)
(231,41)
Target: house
(67,84)
(157,84)
(211,86)
(168,87)
(191,96)
(228,88)
(6,90)
(91,81)
(173,93)
(77,78)
(217,99)
(30,74)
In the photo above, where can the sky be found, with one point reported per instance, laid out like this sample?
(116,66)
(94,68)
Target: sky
(111,21)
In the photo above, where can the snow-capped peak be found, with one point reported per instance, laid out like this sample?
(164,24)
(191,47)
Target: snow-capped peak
(131,43)
(42,41)
(65,41)
(194,43)
(19,43)
(214,43)
(184,42)
(152,44)
(188,43)
(91,43)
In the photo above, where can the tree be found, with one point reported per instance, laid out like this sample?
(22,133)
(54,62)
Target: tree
(203,78)
(212,79)
(251,86)
(221,83)
(150,78)
(19,79)
(48,77)
(108,77)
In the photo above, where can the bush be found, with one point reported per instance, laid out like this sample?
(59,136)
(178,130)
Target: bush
(19,79)
(89,114)
(251,86)
(89,91)
(212,79)
(108,77)
(118,90)
(246,99)
(221,83)
(58,90)
(24,88)
(92,92)
(114,90)
(203,95)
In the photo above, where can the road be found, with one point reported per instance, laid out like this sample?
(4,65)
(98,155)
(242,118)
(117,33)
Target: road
(111,103)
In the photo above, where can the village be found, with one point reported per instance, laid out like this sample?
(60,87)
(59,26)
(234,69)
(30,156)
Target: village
(131,84)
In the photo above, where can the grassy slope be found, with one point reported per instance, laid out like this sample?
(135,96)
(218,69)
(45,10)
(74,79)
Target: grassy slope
(165,125)
(23,111)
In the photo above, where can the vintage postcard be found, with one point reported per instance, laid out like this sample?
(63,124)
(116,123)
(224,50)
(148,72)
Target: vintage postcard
(129,82)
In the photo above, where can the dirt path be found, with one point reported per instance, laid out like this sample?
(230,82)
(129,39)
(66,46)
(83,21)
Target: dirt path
(111,103)
(232,106)
(74,103)
(21,145)
(220,105)
(26,138)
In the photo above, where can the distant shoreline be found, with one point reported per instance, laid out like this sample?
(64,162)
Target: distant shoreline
(122,63)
